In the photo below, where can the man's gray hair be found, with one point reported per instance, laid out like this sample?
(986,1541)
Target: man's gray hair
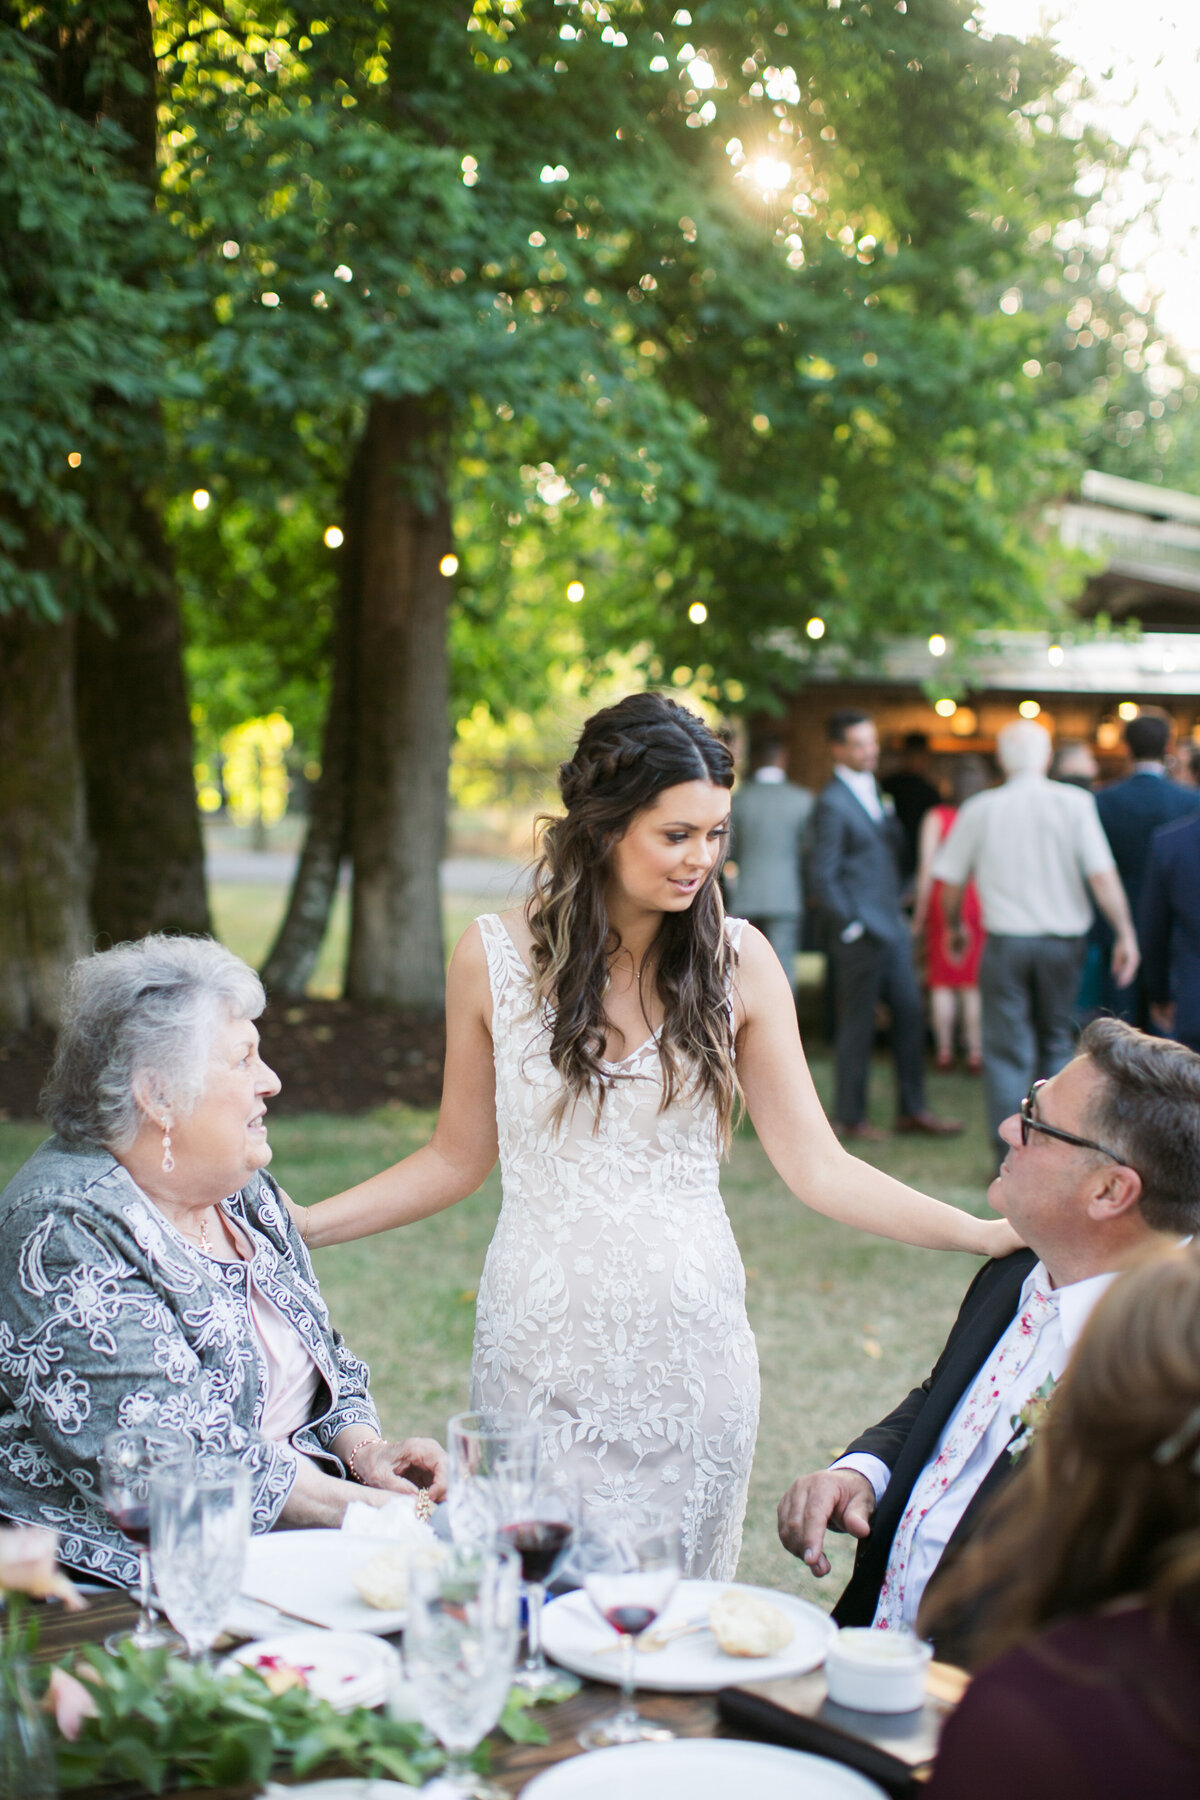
(148,1009)
(1024,748)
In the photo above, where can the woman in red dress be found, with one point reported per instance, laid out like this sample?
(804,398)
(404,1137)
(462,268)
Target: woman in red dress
(948,980)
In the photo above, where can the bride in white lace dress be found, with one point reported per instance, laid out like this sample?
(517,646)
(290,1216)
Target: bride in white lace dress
(596,1042)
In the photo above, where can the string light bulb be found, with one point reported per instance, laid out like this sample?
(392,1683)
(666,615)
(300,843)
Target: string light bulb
(201,499)
(697,612)
(575,592)
(449,564)
(815,628)
(1029,709)
(335,537)
(937,644)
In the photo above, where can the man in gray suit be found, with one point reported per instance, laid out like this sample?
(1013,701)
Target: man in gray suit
(855,864)
(770,821)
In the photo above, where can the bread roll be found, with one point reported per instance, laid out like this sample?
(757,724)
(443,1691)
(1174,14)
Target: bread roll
(745,1625)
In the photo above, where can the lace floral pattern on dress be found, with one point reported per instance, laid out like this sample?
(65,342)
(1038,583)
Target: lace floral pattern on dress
(612,1300)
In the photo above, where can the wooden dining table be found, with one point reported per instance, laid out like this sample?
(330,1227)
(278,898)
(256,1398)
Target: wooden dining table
(513,1765)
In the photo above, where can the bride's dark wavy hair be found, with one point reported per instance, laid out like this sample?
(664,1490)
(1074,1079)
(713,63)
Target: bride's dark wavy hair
(626,756)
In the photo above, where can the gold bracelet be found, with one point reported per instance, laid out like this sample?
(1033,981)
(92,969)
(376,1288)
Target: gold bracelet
(350,1460)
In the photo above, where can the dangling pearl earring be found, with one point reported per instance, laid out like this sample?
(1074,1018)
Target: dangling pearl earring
(168,1161)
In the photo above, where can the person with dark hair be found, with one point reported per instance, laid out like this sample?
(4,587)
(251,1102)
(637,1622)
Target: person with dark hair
(597,1039)
(1131,811)
(771,817)
(1103,1164)
(856,872)
(1090,1641)
(913,794)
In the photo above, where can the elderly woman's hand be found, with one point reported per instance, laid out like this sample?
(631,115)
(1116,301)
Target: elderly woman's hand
(416,1463)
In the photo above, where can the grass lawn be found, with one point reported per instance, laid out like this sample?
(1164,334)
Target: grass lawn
(845,1323)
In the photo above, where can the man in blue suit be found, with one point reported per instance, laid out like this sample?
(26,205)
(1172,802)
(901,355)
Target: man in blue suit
(1131,811)
(1169,924)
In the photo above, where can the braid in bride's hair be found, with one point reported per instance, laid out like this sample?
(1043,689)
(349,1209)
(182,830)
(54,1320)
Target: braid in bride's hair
(626,756)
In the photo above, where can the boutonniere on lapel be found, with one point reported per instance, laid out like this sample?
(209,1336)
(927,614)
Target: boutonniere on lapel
(1028,1422)
(887,803)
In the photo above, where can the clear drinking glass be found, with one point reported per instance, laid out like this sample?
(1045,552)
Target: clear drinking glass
(493,1457)
(199,1527)
(630,1563)
(460,1644)
(127,1461)
(538,1520)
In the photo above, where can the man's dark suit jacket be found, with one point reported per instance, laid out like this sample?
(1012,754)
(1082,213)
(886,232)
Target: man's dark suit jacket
(908,1437)
(1169,925)
(1131,811)
(854,865)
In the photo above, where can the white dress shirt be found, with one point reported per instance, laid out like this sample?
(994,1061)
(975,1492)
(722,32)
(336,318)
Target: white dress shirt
(1031,847)
(1055,1343)
(771,775)
(864,787)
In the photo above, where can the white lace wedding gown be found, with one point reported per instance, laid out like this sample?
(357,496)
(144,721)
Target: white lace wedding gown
(612,1300)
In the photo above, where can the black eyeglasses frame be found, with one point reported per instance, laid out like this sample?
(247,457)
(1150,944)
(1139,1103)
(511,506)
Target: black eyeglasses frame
(1029,1123)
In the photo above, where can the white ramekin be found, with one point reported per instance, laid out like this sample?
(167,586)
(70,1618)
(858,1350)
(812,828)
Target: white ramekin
(877,1671)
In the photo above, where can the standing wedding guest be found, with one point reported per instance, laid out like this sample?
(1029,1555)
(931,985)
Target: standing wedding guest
(1075,763)
(1102,1166)
(1131,811)
(1038,854)
(1185,765)
(150,1273)
(1094,1690)
(597,1039)
(952,983)
(770,822)
(855,862)
(1169,924)
(913,794)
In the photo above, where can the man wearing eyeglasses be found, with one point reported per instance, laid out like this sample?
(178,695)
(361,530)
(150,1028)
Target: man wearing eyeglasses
(1103,1161)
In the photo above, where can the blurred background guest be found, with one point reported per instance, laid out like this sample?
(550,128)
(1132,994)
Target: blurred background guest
(1131,811)
(1095,1623)
(953,985)
(1169,919)
(151,1274)
(1039,855)
(1185,765)
(771,817)
(1074,762)
(913,794)
(857,882)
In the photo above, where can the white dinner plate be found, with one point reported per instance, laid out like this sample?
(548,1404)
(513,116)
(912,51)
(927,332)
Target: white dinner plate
(576,1636)
(701,1769)
(309,1574)
(347,1668)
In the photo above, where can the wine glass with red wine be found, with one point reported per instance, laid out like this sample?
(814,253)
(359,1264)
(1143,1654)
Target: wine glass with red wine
(127,1461)
(539,1520)
(631,1563)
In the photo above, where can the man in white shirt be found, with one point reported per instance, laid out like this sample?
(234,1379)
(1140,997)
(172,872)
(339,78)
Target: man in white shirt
(855,869)
(1038,855)
(1103,1162)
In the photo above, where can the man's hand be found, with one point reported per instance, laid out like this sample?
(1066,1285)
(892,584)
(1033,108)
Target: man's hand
(1162,1016)
(834,1500)
(403,1468)
(1125,959)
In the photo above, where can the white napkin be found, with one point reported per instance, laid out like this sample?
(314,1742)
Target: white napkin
(397,1522)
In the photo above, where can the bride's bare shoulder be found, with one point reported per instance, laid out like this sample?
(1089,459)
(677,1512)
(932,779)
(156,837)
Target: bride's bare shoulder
(517,927)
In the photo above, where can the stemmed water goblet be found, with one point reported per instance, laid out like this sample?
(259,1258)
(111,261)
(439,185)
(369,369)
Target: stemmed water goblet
(460,1643)
(630,1563)
(493,1455)
(199,1527)
(128,1459)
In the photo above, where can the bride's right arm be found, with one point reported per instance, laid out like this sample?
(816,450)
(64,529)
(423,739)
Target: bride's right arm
(462,1150)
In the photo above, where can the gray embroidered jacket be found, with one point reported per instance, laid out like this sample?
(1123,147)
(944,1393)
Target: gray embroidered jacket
(110,1317)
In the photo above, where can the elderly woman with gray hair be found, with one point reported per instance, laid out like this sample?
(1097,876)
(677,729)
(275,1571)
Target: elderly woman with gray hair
(150,1272)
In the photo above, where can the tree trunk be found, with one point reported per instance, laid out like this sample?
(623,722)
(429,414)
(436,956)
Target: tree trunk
(43,846)
(136,738)
(293,955)
(401,729)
